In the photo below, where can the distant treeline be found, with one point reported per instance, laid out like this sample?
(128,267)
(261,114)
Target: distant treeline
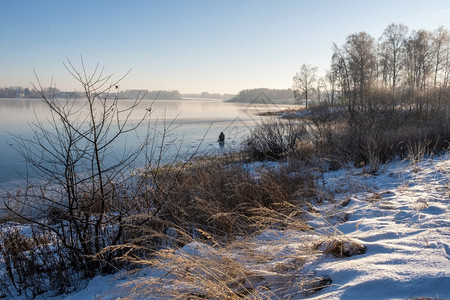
(21,92)
(18,92)
(150,95)
(207,95)
(264,95)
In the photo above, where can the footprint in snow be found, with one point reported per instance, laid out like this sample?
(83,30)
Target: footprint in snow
(433,210)
(447,250)
(403,216)
(387,205)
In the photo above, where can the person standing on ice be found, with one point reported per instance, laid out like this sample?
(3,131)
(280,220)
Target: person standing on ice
(221,137)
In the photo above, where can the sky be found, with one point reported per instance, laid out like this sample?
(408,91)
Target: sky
(191,46)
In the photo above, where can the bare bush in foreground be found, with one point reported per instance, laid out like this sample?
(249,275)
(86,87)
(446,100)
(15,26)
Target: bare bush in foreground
(82,198)
(274,138)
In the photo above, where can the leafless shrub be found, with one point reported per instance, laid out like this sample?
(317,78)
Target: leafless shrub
(86,193)
(274,138)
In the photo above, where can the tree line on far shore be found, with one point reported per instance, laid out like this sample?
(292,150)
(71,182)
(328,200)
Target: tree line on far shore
(25,92)
(264,95)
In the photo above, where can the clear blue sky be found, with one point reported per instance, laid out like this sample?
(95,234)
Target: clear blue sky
(192,46)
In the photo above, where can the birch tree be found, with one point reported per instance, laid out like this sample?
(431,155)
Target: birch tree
(303,82)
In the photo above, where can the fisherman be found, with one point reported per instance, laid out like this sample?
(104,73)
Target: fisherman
(222,137)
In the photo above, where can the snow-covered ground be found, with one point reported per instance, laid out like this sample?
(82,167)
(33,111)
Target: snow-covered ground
(404,221)
(401,215)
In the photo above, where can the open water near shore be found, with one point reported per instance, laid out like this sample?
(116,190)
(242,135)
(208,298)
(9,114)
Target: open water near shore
(194,124)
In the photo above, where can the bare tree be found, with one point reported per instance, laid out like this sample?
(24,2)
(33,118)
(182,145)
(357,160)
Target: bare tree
(360,53)
(391,52)
(340,70)
(83,198)
(420,54)
(446,66)
(441,43)
(303,82)
(329,84)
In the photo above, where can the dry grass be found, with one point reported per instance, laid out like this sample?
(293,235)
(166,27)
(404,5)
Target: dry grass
(223,199)
(218,209)
(243,269)
(206,274)
(372,136)
(341,247)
